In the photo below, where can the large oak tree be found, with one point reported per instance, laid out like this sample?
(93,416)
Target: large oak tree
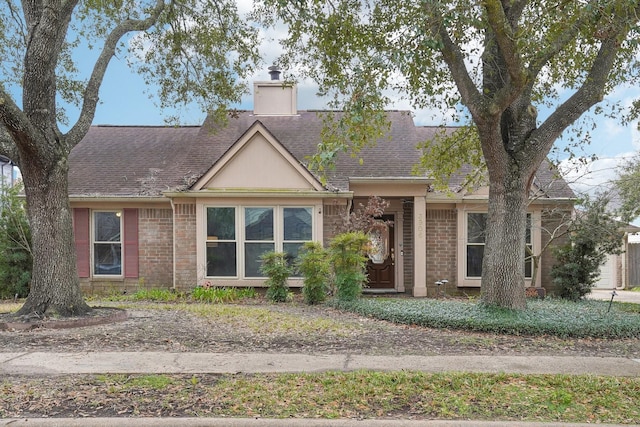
(192,50)
(500,59)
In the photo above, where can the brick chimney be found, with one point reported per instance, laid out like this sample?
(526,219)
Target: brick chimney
(274,97)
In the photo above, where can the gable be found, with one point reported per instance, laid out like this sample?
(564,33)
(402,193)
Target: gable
(258,161)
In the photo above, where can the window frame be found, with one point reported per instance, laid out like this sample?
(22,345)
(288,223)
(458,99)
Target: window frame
(120,215)
(241,241)
(212,241)
(475,281)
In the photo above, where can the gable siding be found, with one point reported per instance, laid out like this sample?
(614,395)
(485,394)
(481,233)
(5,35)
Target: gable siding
(441,249)
(156,247)
(82,241)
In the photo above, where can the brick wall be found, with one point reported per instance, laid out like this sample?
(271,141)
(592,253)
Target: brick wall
(441,248)
(407,246)
(155,234)
(331,215)
(185,246)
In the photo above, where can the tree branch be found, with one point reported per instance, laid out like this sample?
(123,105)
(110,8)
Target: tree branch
(454,59)
(590,93)
(15,127)
(559,42)
(79,130)
(506,41)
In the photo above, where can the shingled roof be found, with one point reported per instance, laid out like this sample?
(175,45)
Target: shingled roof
(128,161)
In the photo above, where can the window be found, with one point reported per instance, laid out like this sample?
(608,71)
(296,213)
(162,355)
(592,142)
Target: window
(107,243)
(221,242)
(476,236)
(238,236)
(258,237)
(298,229)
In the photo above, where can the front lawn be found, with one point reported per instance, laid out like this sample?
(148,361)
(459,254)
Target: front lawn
(584,319)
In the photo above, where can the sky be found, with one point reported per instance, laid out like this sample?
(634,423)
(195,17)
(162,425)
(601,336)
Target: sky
(125,100)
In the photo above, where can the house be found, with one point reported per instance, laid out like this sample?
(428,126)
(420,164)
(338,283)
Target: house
(177,207)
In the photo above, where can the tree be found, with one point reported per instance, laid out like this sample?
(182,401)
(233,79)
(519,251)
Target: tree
(628,189)
(15,244)
(191,49)
(498,59)
(594,234)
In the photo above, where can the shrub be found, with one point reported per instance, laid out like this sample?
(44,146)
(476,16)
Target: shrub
(594,234)
(15,245)
(277,269)
(347,256)
(313,264)
(551,316)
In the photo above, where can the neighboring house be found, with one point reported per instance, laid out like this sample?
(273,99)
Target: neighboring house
(181,206)
(7,172)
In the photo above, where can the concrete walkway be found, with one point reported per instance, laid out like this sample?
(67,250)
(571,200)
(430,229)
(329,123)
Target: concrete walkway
(45,364)
(621,296)
(41,363)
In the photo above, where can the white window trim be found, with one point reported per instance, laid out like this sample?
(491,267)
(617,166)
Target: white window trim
(120,214)
(240,278)
(463,279)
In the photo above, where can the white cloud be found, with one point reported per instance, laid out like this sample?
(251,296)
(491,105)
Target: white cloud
(594,176)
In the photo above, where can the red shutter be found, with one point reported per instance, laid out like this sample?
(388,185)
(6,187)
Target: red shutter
(131,243)
(82,240)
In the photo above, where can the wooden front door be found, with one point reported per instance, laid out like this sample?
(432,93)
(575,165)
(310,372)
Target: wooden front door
(383,275)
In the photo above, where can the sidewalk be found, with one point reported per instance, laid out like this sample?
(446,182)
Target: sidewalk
(42,363)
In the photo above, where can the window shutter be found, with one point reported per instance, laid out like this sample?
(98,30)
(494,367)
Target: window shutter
(131,243)
(81,237)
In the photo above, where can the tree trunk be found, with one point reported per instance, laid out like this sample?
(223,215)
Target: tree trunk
(503,262)
(504,254)
(55,286)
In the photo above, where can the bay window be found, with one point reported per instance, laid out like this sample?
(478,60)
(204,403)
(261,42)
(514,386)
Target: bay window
(238,236)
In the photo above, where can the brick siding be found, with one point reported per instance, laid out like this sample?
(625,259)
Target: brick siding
(407,246)
(331,215)
(155,234)
(185,246)
(441,248)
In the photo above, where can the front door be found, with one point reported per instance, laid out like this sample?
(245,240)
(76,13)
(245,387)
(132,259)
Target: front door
(382,275)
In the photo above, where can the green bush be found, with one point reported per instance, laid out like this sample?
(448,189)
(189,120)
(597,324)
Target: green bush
(347,256)
(15,245)
(594,234)
(277,269)
(551,316)
(313,264)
